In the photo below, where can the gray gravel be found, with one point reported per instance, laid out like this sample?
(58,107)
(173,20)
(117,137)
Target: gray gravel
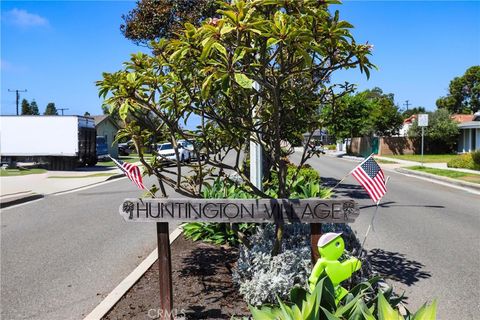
(62,255)
(426,238)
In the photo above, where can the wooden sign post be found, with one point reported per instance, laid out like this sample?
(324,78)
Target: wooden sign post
(165,210)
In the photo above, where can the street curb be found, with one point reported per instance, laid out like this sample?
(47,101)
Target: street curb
(440,178)
(116,176)
(21,199)
(113,297)
(35,196)
(120,175)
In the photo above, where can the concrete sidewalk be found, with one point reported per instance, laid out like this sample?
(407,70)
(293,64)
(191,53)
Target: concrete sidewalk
(19,189)
(439,165)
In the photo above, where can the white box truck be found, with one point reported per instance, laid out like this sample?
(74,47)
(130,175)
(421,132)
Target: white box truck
(60,142)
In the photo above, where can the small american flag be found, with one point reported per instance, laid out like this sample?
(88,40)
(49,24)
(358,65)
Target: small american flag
(131,171)
(372,179)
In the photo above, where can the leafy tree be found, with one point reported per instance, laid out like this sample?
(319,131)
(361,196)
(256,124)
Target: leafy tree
(290,49)
(365,113)
(155,19)
(441,134)
(86,114)
(463,93)
(348,116)
(26,109)
(34,108)
(410,112)
(51,110)
(385,117)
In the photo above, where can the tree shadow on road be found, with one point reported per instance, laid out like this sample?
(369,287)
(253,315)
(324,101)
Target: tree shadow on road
(396,266)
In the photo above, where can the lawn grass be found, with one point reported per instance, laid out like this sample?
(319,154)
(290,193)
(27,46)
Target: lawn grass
(384,161)
(87,176)
(464,176)
(427,158)
(20,172)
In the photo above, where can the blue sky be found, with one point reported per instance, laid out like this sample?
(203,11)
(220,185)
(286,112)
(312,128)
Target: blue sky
(57,50)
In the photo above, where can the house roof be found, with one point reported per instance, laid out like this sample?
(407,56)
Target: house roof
(461,118)
(469,125)
(410,119)
(101,118)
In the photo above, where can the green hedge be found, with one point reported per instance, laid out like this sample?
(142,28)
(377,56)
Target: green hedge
(466,161)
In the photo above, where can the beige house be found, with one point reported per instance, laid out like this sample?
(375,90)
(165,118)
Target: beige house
(107,128)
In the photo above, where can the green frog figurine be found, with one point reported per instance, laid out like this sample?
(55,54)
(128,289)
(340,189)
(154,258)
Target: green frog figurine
(331,246)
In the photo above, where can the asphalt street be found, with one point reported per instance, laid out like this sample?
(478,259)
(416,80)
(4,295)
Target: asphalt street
(426,239)
(62,255)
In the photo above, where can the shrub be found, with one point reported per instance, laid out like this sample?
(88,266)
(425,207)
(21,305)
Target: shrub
(217,233)
(306,184)
(331,147)
(320,304)
(261,277)
(220,233)
(466,161)
(476,157)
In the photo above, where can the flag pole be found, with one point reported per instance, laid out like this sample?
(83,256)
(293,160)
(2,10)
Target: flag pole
(370,226)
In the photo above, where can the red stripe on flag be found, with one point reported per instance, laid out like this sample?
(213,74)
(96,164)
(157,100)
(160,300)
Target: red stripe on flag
(365,184)
(371,185)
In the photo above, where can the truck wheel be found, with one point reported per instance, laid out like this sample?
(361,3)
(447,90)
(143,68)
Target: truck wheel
(92,162)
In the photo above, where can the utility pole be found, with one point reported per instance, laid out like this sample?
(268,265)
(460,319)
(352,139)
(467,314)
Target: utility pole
(18,95)
(61,109)
(407,104)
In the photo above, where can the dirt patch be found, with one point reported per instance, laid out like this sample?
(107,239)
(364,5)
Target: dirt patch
(202,282)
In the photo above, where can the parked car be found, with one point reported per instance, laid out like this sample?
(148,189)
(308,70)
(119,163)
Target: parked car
(195,149)
(167,152)
(125,148)
(317,146)
(102,148)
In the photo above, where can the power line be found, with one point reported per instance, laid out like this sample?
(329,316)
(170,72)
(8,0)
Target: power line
(407,104)
(61,109)
(18,95)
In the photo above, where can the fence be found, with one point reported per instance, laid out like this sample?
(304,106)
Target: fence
(385,146)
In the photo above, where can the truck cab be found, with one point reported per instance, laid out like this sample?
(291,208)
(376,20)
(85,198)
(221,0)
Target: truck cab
(102,148)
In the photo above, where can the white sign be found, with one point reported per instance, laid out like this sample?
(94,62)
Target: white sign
(423,120)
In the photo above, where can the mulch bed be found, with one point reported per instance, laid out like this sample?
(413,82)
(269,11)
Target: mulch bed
(202,284)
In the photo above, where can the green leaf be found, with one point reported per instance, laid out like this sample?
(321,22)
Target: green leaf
(243,81)
(238,55)
(385,311)
(298,295)
(272,42)
(131,76)
(220,48)
(226,29)
(123,110)
(426,312)
(230,14)
(206,86)
(262,314)
(207,46)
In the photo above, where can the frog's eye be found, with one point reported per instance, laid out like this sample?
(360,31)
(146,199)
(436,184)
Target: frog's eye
(337,244)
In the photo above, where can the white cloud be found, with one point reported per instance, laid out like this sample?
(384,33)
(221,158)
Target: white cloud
(24,19)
